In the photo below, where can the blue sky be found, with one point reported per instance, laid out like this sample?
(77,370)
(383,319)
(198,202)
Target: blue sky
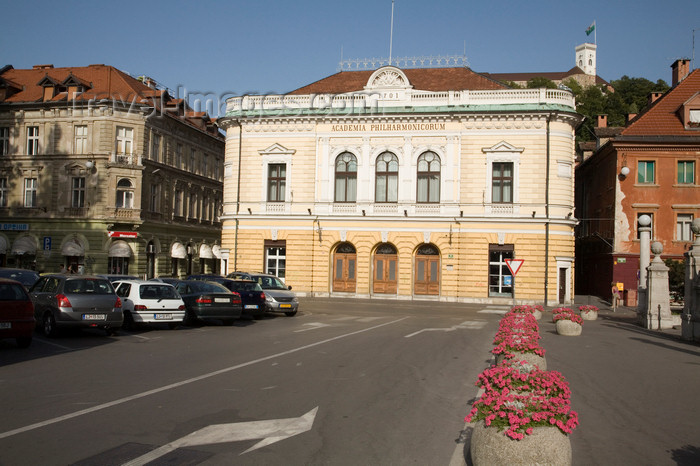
(261,46)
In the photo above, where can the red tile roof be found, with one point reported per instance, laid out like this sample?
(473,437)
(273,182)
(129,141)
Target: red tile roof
(662,118)
(424,79)
(104,81)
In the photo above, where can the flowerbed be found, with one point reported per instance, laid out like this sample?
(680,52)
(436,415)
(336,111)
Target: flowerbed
(568,316)
(518,332)
(518,398)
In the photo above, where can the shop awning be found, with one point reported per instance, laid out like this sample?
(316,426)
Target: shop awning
(216,251)
(73,248)
(178,251)
(3,245)
(205,252)
(120,248)
(24,245)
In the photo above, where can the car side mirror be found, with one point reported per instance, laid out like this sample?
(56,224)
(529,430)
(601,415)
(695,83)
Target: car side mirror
(289,287)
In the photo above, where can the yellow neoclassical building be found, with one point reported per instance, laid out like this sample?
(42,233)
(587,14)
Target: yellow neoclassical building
(406,184)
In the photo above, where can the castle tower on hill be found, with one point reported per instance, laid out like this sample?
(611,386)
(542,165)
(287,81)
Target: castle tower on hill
(586,58)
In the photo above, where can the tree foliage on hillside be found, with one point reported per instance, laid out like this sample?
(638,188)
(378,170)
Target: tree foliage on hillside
(630,96)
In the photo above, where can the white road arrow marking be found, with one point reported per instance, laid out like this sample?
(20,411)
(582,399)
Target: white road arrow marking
(312,326)
(466,324)
(270,431)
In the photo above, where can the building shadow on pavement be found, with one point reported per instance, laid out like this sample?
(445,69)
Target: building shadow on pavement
(686,456)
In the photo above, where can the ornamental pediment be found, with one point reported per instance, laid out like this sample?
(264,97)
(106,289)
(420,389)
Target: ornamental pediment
(502,147)
(277,149)
(388,77)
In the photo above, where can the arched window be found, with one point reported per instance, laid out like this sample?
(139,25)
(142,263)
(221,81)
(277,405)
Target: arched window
(125,194)
(346,178)
(387,183)
(428,178)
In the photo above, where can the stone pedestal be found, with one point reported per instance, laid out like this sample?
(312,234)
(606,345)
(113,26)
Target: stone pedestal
(658,312)
(690,320)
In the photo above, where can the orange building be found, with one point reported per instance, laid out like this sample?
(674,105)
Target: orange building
(648,167)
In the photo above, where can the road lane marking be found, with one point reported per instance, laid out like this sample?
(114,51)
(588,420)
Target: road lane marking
(137,396)
(312,326)
(491,310)
(270,432)
(469,324)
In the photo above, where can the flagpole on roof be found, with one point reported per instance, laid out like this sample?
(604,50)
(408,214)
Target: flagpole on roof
(391,32)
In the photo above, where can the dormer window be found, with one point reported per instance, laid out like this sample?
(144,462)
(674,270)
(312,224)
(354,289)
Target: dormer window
(689,112)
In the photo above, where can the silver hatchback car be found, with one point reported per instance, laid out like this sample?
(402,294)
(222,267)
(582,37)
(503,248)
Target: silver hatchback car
(75,301)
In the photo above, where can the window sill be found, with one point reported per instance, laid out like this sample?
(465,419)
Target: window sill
(686,185)
(646,185)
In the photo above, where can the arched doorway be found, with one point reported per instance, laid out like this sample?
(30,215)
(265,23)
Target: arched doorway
(426,279)
(344,268)
(385,269)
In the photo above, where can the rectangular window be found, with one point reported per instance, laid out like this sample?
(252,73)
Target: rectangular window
(4,192)
(4,140)
(205,165)
(216,168)
(501,281)
(80,139)
(177,207)
(30,187)
(78,192)
(276,182)
(125,140)
(686,172)
(502,182)
(193,158)
(276,258)
(154,204)
(683,231)
(32,140)
(645,172)
(651,216)
(155,148)
(178,156)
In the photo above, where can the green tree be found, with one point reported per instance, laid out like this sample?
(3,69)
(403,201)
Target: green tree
(676,277)
(538,82)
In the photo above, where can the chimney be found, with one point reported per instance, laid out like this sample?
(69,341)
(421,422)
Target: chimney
(653,97)
(602,121)
(42,67)
(679,70)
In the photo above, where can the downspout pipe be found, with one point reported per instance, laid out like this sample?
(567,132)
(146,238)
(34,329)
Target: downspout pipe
(546,225)
(238,195)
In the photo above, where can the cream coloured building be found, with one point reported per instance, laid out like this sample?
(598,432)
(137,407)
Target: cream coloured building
(407,184)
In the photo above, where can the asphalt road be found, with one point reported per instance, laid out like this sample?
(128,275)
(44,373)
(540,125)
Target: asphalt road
(343,382)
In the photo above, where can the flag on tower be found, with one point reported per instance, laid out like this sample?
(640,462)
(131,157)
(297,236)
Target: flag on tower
(590,29)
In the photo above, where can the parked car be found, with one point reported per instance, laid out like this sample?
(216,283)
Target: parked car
(24,276)
(252,296)
(278,296)
(208,300)
(16,313)
(85,301)
(239,276)
(150,302)
(115,277)
(204,276)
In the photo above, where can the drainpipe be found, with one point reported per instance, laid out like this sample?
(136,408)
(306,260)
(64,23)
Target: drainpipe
(238,195)
(546,225)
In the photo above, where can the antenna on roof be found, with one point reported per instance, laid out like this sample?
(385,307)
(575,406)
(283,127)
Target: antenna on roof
(391,32)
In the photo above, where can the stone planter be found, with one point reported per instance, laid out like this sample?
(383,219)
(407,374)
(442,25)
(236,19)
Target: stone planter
(537,314)
(545,446)
(568,328)
(529,358)
(589,315)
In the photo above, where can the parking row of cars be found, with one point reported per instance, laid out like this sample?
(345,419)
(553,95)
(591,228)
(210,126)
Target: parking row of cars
(58,301)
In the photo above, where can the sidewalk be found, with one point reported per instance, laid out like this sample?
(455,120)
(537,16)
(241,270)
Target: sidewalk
(637,391)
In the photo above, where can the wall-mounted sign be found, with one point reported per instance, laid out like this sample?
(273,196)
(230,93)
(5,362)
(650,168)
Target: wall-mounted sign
(14,226)
(122,234)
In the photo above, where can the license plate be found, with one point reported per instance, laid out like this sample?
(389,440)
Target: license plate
(163,316)
(285,306)
(251,306)
(222,300)
(94,317)
(5,325)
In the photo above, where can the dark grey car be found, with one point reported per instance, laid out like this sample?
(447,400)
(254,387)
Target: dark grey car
(62,301)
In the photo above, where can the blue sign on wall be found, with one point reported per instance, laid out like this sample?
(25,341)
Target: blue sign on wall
(507,280)
(47,243)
